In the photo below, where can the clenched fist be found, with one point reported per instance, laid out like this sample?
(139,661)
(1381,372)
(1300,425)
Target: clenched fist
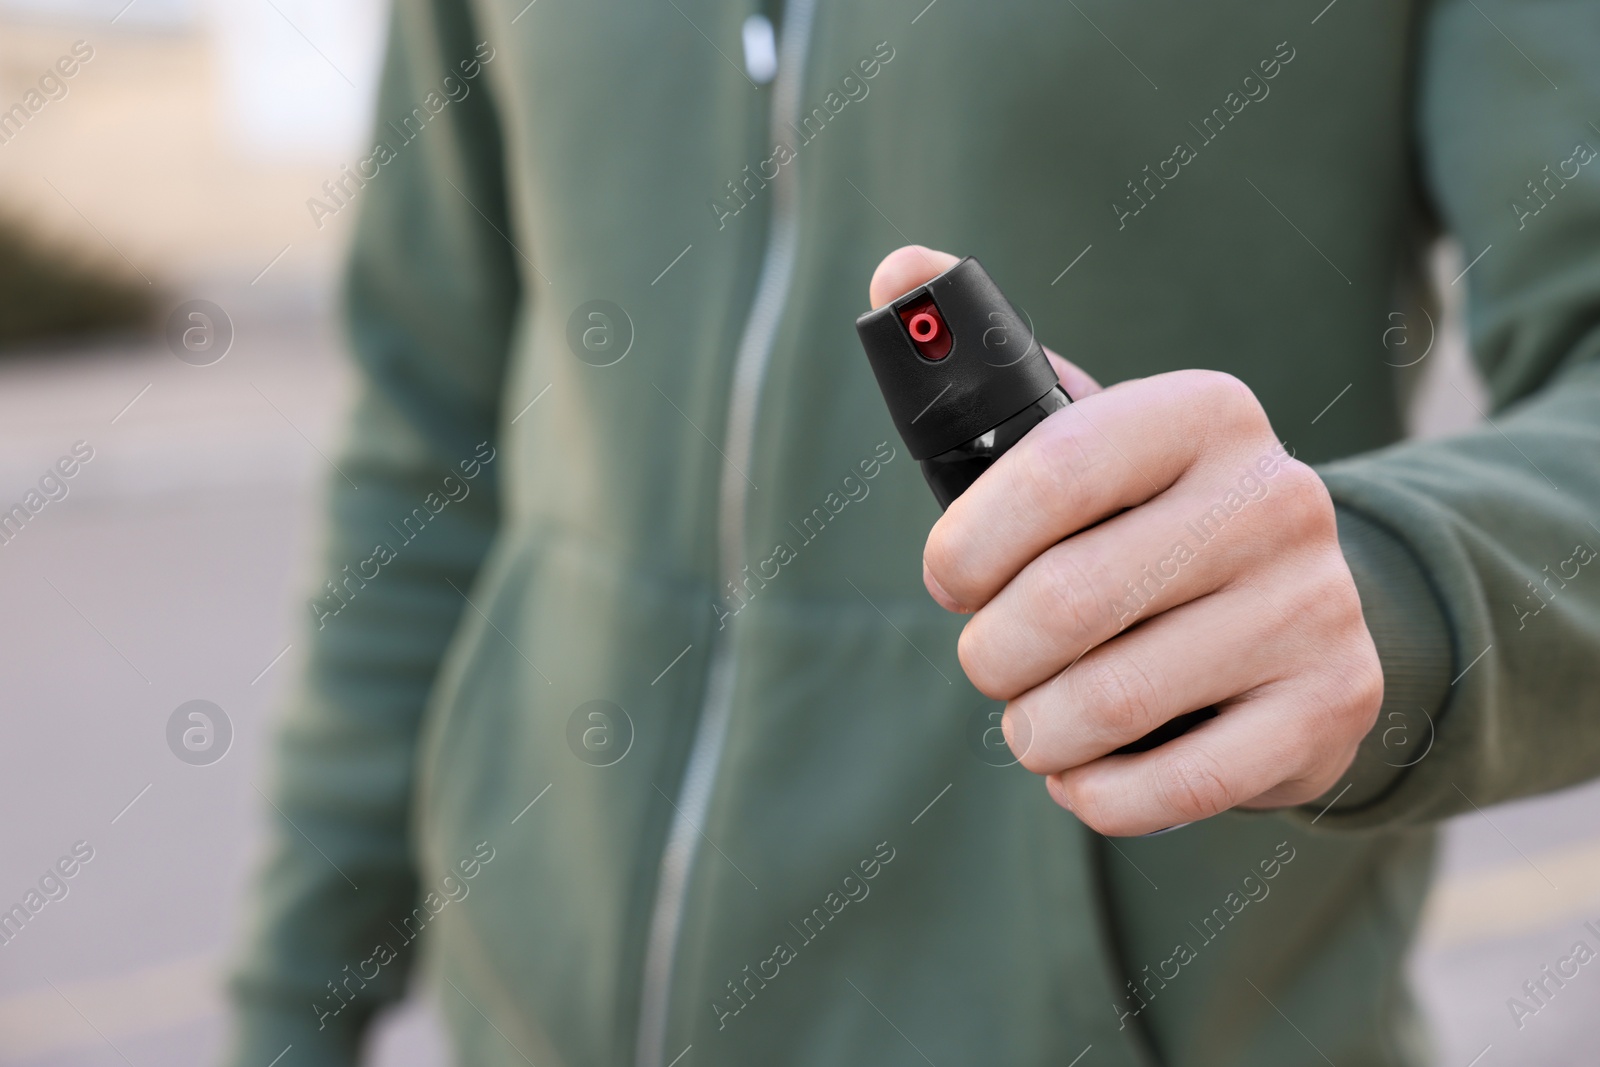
(1146,552)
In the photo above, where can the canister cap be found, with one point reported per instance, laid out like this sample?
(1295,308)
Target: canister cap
(991,366)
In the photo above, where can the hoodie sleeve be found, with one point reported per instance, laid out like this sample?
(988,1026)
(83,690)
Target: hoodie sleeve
(1478,557)
(431,294)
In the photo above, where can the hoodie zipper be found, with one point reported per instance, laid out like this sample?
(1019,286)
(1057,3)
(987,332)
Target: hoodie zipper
(750,368)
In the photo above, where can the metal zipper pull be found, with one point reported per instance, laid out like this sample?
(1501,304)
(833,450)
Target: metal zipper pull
(760,49)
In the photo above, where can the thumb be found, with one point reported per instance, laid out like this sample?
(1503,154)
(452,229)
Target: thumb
(906,268)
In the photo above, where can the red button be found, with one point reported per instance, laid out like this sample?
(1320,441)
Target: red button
(924,327)
(927,328)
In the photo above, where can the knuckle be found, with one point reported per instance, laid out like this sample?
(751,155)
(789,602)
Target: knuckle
(1321,783)
(1065,595)
(1355,674)
(1305,508)
(1057,470)
(1336,716)
(1316,728)
(1296,791)
(1194,787)
(1363,696)
(1119,697)
(1318,779)
(1231,400)
(1322,603)
(1299,475)
(1370,696)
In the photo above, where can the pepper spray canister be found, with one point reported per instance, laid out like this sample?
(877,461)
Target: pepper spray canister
(965,379)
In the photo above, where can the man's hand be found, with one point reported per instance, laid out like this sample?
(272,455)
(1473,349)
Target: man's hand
(1148,551)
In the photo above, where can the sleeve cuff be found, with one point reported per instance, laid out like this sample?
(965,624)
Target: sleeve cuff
(1412,636)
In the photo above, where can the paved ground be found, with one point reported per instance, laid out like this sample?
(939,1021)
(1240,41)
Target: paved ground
(164,576)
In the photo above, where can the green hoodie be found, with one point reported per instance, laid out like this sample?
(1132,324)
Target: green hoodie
(625,695)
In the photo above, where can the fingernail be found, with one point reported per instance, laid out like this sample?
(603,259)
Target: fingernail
(937,591)
(1057,793)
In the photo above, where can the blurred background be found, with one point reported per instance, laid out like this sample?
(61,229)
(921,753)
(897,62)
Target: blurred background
(173,167)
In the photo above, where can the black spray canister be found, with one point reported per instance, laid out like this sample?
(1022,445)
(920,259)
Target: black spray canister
(965,379)
(962,374)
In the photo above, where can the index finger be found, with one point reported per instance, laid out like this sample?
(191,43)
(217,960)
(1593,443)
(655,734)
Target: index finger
(1113,450)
